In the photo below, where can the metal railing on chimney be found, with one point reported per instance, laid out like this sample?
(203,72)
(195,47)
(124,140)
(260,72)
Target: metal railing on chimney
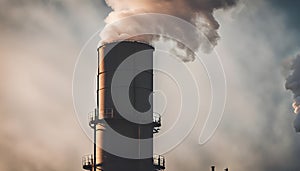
(159,162)
(94,119)
(87,162)
(156,122)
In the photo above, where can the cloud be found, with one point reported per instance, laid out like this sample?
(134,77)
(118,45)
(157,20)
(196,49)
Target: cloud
(39,44)
(256,132)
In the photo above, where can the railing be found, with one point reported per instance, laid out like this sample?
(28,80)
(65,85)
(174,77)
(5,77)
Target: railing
(156,122)
(159,162)
(94,118)
(87,162)
(157,119)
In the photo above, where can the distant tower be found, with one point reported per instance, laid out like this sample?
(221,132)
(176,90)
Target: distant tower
(110,57)
(214,167)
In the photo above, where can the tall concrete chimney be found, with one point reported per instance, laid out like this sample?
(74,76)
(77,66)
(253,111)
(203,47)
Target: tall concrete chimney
(110,58)
(213,168)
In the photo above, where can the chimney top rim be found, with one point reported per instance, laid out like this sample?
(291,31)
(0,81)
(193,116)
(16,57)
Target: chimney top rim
(125,41)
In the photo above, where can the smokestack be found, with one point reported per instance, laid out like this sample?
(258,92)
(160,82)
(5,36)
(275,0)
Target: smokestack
(293,84)
(226,169)
(213,168)
(113,116)
(111,56)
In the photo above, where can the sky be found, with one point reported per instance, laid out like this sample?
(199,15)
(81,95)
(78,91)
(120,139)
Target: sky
(40,42)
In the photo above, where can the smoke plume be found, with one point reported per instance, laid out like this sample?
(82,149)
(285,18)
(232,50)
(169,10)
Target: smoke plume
(293,84)
(197,12)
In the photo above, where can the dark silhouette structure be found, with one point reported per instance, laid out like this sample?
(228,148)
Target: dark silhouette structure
(213,168)
(109,116)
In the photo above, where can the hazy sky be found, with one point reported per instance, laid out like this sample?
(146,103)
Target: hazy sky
(40,41)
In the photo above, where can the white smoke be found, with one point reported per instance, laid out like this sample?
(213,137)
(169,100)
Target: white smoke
(197,12)
(293,84)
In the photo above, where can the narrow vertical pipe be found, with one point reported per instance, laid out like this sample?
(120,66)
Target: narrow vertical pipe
(96,115)
(95,146)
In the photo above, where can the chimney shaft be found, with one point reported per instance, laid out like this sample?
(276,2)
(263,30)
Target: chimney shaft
(111,56)
(213,168)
